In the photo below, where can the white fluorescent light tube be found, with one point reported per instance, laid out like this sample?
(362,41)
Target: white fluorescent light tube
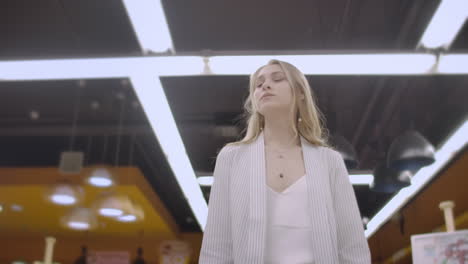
(361,179)
(150,25)
(153,99)
(456,142)
(453,64)
(368,64)
(205,180)
(66,69)
(356,179)
(99,68)
(445,24)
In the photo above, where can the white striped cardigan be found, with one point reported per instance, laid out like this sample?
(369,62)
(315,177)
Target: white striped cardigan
(236,224)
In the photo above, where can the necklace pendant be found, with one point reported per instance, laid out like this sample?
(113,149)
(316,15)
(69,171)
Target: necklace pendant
(280,156)
(281,175)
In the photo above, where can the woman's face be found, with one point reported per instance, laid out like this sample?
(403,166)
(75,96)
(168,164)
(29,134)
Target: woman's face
(272,90)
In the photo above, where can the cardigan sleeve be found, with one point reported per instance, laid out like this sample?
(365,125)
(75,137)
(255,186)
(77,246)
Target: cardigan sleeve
(217,242)
(352,244)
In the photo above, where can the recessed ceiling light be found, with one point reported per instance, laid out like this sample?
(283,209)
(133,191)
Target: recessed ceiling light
(127,218)
(95,105)
(16,207)
(34,115)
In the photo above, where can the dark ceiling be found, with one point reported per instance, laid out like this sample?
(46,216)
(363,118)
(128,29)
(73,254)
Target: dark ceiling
(369,111)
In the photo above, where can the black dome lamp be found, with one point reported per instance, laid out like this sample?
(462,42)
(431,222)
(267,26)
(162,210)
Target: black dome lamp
(347,151)
(389,180)
(410,151)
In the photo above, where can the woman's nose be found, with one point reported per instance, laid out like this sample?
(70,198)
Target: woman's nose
(266,85)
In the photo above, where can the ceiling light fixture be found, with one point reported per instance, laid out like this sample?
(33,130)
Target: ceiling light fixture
(361,179)
(127,218)
(79,218)
(132,214)
(150,25)
(325,64)
(355,179)
(64,193)
(453,64)
(100,177)
(113,205)
(445,24)
(205,180)
(456,142)
(151,95)
(332,64)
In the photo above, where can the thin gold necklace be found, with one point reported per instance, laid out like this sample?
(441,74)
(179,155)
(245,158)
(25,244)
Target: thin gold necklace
(280,154)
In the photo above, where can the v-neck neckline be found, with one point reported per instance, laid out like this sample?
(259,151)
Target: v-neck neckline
(287,188)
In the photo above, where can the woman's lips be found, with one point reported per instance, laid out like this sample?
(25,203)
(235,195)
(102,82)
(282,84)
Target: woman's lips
(266,96)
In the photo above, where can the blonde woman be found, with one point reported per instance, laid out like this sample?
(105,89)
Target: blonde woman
(281,195)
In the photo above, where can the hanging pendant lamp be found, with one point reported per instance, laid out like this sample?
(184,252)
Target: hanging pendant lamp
(389,180)
(133,213)
(101,177)
(64,193)
(410,151)
(347,151)
(79,218)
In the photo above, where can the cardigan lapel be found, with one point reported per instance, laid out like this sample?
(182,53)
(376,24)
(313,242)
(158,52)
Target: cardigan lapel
(257,194)
(319,199)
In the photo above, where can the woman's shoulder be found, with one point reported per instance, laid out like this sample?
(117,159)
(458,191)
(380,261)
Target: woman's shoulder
(229,150)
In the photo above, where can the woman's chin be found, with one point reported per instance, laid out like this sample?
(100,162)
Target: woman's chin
(272,110)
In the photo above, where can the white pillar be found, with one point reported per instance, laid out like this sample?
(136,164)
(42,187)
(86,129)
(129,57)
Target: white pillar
(447,207)
(49,250)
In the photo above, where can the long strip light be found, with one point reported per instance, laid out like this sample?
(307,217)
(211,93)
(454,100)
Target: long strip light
(150,25)
(331,64)
(445,24)
(361,179)
(356,179)
(362,64)
(456,142)
(98,68)
(453,64)
(153,99)
(191,65)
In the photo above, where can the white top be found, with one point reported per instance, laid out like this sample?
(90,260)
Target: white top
(289,228)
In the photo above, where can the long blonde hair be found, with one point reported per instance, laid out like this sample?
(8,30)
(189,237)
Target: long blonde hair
(311,125)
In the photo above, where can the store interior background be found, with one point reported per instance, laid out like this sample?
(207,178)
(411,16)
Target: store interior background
(113,125)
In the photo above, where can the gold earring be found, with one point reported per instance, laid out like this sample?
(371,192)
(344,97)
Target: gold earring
(299,120)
